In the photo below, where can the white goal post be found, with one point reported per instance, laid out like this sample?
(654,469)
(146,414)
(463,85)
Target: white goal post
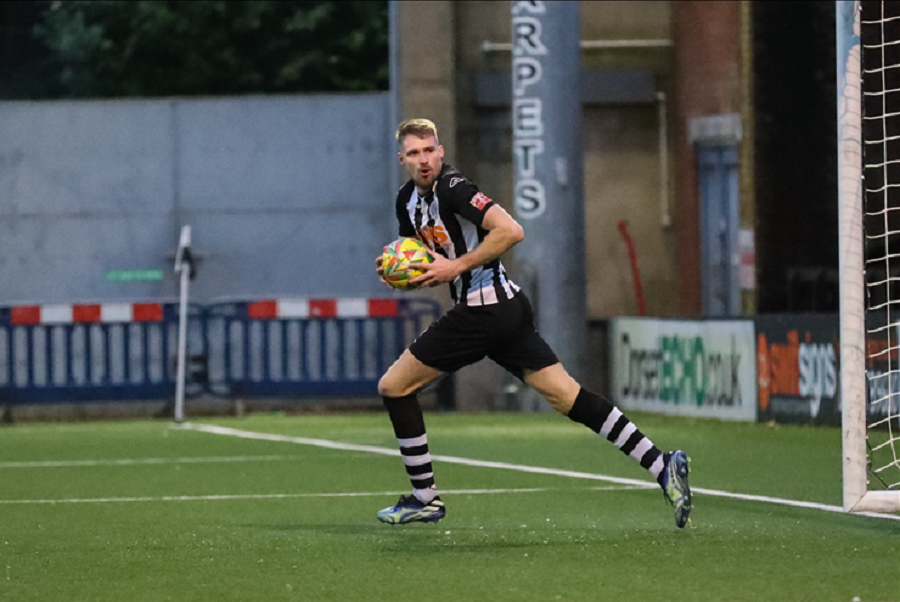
(868,90)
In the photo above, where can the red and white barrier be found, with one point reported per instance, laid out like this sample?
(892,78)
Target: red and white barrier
(322,308)
(86,313)
(269,309)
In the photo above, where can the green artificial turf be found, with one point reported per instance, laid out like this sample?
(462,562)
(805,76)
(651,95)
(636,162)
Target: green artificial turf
(141,511)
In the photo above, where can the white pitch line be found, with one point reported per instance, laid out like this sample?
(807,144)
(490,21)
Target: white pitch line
(221,430)
(384,451)
(262,496)
(140,461)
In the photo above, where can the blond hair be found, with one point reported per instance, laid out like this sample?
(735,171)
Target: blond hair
(421,128)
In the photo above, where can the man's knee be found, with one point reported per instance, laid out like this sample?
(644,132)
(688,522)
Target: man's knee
(406,376)
(556,386)
(392,383)
(390,387)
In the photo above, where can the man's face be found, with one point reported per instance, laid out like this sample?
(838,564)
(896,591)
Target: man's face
(422,159)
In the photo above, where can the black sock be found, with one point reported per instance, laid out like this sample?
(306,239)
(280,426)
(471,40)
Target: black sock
(610,423)
(409,428)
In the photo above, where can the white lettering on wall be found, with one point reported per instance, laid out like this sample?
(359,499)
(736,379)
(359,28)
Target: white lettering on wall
(528,123)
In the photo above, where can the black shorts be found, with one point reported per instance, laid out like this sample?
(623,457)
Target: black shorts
(504,332)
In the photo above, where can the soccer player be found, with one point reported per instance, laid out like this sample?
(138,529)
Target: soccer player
(467,233)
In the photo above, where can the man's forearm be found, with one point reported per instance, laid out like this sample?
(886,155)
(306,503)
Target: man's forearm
(497,242)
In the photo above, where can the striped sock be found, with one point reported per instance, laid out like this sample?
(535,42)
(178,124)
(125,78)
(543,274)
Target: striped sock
(609,422)
(409,428)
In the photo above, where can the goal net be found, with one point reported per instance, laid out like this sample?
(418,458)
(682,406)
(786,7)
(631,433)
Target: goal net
(868,44)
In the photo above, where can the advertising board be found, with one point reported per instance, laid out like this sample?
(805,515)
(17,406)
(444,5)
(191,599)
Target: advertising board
(798,368)
(701,368)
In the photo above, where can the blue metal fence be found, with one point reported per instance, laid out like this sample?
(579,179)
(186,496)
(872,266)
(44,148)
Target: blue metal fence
(275,348)
(302,347)
(76,353)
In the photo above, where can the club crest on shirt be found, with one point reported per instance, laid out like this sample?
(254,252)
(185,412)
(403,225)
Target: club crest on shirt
(479,201)
(455,181)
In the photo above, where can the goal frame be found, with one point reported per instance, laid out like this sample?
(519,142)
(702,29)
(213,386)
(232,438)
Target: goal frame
(856,494)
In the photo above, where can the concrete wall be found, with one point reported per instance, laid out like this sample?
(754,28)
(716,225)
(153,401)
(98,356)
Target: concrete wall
(622,158)
(705,71)
(427,65)
(442,47)
(286,196)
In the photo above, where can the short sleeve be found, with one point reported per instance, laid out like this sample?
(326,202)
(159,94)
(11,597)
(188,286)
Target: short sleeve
(464,198)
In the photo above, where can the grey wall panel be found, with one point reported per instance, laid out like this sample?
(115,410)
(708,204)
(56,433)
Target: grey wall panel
(281,153)
(287,254)
(285,195)
(86,158)
(66,259)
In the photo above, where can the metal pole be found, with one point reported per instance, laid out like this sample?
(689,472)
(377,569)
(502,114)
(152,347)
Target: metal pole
(394,110)
(393,62)
(549,171)
(850,241)
(182,340)
(183,264)
(488,46)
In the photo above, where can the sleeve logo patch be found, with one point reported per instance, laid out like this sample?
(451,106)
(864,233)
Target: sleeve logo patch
(455,181)
(479,201)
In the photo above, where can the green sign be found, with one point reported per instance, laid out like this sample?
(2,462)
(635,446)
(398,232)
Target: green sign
(133,275)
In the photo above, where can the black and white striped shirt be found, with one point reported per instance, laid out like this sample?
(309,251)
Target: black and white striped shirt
(448,220)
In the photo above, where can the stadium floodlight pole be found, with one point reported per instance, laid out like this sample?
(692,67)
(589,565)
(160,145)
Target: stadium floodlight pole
(183,266)
(549,172)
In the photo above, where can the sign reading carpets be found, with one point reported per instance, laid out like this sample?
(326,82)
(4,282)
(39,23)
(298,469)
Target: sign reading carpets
(528,125)
(701,368)
(798,368)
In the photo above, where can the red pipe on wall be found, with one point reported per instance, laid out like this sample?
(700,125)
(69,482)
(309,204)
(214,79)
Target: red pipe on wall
(635,272)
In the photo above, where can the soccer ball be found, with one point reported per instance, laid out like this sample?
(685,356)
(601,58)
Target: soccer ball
(396,259)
